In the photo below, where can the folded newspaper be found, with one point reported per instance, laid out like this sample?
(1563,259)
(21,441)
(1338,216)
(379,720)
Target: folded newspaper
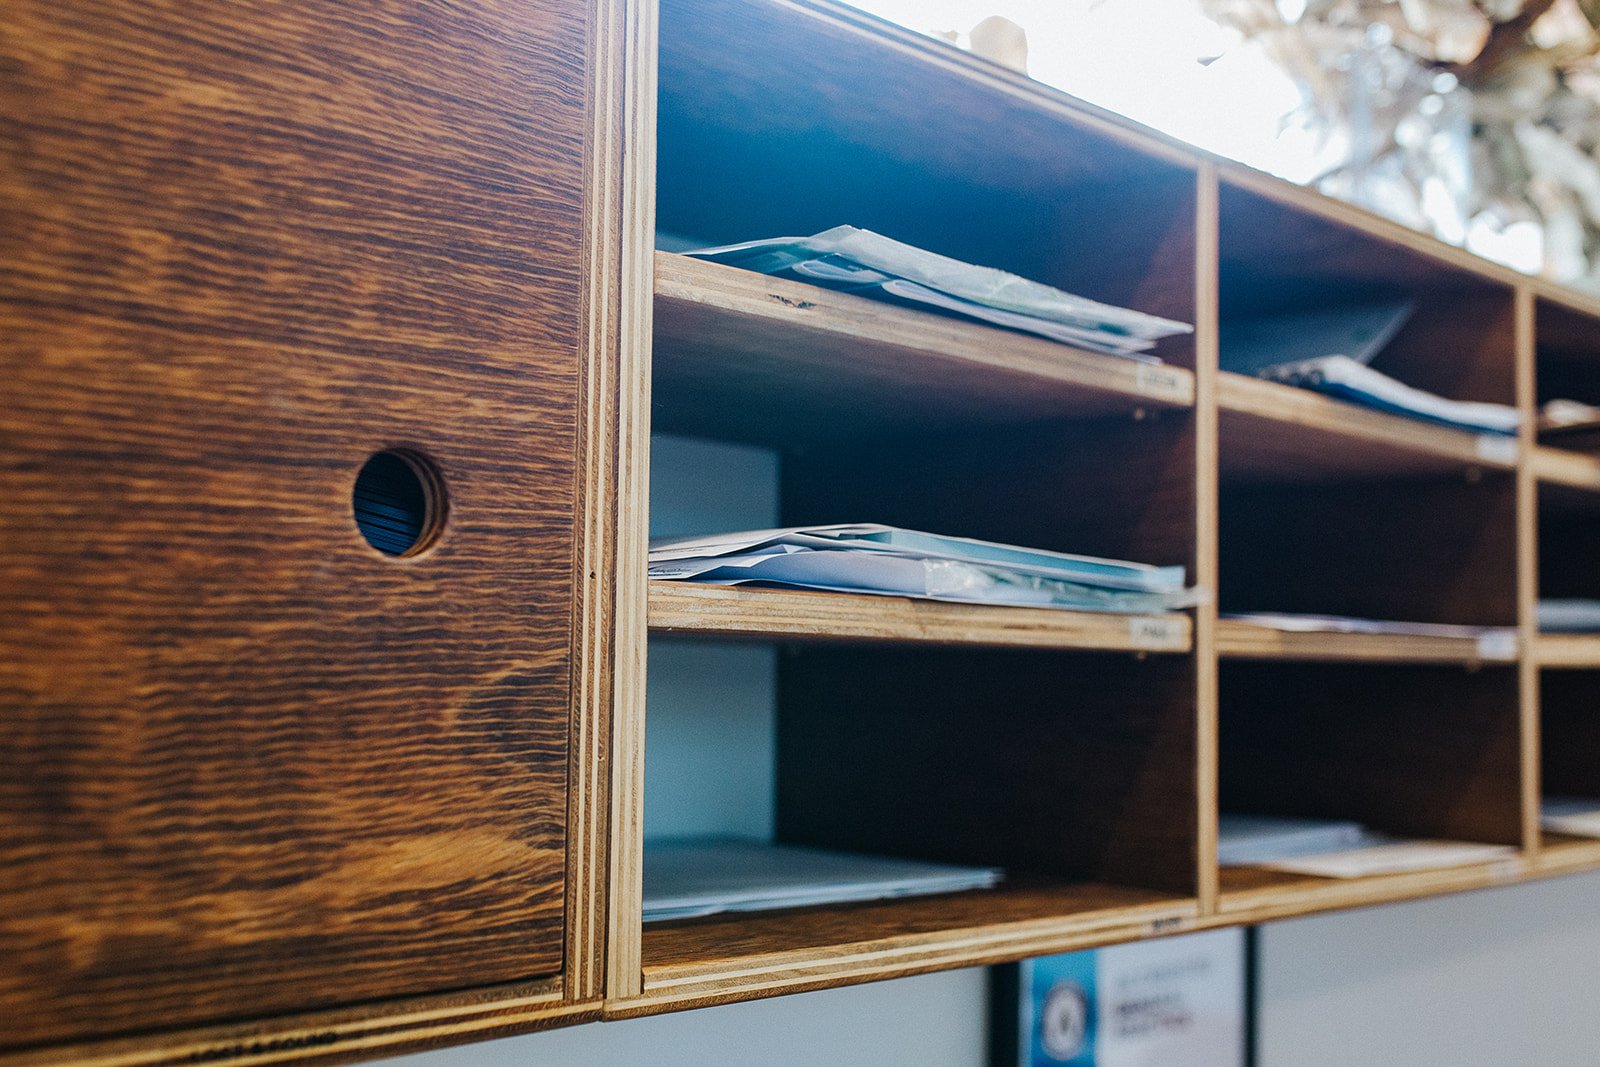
(888,561)
(1350,379)
(870,264)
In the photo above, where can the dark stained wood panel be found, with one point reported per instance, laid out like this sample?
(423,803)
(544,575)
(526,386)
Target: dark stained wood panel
(1073,765)
(247,763)
(1425,751)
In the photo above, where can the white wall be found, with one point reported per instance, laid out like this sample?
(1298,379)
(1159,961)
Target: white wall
(1497,977)
(935,1020)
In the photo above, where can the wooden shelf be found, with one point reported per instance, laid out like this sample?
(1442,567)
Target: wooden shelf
(1243,640)
(1567,854)
(1271,431)
(1569,481)
(1573,651)
(747,955)
(743,356)
(799,615)
(1255,894)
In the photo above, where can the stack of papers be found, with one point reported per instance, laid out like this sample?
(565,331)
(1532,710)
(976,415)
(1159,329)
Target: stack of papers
(1571,815)
(887,561)
(690,877)
(1493,642)
(872,265)
(1329,849)
(1255,839)
(1569,616)
(1329,351)
(1570,424)
(1351,380)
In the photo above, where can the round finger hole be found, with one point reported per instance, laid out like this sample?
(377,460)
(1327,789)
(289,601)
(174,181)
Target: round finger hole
(399,502)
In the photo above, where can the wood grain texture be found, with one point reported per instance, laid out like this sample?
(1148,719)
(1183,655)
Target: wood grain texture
(1076,766)
(1570,480)
(340,1035)
(1254,895)
(1527,549)
(1275,432)
(1419,751)
(1207,444)
(1567,651)
(624,904)
(249,764)
(798,615)
(770,139)
(1238,639)
(1412,550)
(736,957)
(1299,244)
(1117,487)
(1570,720)
(739,355)
(1567,342)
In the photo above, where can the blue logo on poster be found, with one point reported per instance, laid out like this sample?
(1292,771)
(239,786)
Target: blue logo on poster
(1064,1022)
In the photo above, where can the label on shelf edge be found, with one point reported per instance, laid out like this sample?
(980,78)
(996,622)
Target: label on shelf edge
(1166,924)
(1157,379)
(1496,449)
(1153,631)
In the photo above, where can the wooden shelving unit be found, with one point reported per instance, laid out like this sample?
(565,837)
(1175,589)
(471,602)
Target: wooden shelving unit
(1239,639)
(744,355)
(530,350)
(715,960)
(890,414)
(797,615)
(1568,651)
(1273,431)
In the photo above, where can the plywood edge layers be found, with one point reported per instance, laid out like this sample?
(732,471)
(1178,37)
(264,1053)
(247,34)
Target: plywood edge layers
(1527,548)
(1206,556)
(797,615)
(336,1035)
(624,901)
(700,302)
(1237,639)
(1281,430)
(767,974)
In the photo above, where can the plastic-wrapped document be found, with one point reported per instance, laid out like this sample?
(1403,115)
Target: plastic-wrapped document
(1379,854)
(1337,849)
(888,561)
(691,877)
(1351,380)
(1255,839)
(1360,332)
(1577,816)
(1493,642)
(1569,616)
(1571,425)
(851,258)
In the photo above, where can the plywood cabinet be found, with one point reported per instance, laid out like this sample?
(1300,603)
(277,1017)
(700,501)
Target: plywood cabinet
(251,764)
(307,756)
